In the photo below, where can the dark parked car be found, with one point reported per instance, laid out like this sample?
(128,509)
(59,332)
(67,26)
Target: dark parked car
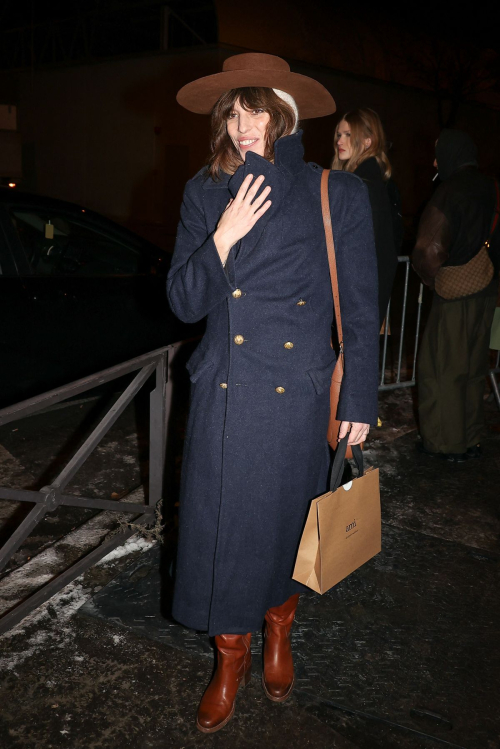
(78,293)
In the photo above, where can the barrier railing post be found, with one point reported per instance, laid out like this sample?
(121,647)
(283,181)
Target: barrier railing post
(493,379)
(157,432)
(417,331)
(384,350)
(397,383)
(49,498)
(403,320)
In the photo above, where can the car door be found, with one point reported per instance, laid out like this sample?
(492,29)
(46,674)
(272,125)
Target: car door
(14,322)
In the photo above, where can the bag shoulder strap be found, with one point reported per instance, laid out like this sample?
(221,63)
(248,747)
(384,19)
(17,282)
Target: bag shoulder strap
(330,246)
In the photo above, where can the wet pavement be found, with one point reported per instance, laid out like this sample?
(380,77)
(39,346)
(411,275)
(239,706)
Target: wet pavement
(403,654)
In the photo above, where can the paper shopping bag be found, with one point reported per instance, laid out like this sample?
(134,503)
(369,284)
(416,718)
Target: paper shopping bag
(343,527)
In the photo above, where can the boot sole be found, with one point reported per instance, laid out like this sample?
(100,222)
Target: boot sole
(217,727)
(243,683)
(278,699)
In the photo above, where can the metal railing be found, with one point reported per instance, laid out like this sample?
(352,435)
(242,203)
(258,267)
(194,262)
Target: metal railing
(398,383)
(398,368)
(493,379)
(49,498)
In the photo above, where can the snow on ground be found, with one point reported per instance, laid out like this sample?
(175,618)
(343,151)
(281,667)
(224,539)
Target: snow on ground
(52,620)
(54,624)
(41,568)
(136,543)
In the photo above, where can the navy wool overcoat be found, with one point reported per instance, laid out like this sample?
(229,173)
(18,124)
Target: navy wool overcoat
(255,452)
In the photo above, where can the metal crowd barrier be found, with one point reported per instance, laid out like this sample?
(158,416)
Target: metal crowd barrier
(493,379)
(397,369)
(50,497)
(397,382)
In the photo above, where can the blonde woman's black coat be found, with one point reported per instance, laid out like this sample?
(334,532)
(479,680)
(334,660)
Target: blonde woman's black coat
(383,226)
(255,451)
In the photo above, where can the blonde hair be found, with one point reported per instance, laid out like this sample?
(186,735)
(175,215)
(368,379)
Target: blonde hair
(363,123)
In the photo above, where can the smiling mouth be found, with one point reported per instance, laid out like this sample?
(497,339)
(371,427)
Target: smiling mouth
(248,142)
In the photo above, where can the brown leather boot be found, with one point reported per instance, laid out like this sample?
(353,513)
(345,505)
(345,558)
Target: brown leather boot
(233,670)
(278,677)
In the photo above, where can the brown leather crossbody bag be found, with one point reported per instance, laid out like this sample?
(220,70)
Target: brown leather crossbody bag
(338,372)
(458,281)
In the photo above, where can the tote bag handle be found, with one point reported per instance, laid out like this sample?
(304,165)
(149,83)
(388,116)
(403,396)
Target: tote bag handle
(338,463)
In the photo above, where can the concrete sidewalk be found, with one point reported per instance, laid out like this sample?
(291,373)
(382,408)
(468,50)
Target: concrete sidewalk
(403,654)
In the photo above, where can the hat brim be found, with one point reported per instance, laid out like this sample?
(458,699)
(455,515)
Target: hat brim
(311,97)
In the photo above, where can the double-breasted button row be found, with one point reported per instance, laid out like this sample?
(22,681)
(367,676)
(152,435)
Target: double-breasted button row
(279,389)
(237,293)
(238,339)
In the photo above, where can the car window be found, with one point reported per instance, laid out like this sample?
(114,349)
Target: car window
(7,265)
(57,245)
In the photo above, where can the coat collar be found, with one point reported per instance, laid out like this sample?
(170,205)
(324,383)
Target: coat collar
(288,160)
(369,169)
(289,153)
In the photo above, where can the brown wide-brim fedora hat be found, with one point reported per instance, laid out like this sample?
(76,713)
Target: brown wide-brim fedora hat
(257,69)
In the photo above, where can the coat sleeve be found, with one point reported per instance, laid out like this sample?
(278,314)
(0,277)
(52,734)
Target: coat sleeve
(358,291)
(432,245)
(197,281)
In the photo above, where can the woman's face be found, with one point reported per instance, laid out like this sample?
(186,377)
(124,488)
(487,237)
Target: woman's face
(247,129)
(343,135)
(344,146)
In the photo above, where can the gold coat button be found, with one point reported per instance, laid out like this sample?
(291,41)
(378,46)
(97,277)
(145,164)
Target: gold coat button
(280,390)
(238,339)
(288,344)
(223,385)
(237,293)
(301,303)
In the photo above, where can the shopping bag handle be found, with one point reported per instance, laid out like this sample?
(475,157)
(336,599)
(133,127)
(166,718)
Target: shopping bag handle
(338,463)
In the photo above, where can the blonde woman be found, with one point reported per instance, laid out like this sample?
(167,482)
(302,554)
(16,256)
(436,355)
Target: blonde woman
(360,148)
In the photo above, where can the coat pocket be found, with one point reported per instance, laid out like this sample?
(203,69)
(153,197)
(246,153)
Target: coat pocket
(198,363)
(322,376)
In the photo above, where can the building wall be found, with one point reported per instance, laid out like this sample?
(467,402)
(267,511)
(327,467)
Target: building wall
(111,136)
(10,155)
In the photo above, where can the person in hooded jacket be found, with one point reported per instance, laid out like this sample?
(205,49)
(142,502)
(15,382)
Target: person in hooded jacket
(251,257)
(453,357)
(360,147)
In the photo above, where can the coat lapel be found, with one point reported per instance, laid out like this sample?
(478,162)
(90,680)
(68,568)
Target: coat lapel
(288,161)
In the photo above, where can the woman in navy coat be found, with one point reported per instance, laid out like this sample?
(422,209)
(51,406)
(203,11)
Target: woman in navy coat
(251,258)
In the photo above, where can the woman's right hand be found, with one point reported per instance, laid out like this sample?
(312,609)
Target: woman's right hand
(241,215)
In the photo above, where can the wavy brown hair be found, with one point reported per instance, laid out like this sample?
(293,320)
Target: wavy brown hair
(224,154)
(363,123)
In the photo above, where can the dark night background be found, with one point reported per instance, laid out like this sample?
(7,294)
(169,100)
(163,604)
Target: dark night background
(94,88)
(403,654)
